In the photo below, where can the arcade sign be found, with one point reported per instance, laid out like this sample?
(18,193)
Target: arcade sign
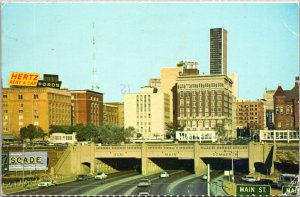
(23,79)
(19,161)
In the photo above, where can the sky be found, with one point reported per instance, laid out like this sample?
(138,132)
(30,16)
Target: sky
(135,40)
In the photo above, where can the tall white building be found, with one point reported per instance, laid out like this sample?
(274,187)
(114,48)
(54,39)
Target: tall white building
(147,111)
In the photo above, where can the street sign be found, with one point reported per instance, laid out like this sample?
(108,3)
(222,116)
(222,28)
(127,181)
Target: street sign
(263,190)
(293,190)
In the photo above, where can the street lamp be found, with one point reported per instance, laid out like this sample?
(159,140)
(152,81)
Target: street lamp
(23,163)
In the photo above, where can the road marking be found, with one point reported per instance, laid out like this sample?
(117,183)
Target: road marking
(174,184)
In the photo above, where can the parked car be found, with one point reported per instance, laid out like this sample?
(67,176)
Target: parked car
(144,183)
(46,183)
(100,176)
(285,179)
(248,178)
(81,177)
(164,174)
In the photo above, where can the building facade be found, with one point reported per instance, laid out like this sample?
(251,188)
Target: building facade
(110,114)
(87,107)
(39,106)
(269,108)
(218,51)
(205,101)
(286,108)
(147,111)
(120,112)
(250,114)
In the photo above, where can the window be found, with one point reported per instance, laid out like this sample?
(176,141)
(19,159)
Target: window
(20,110)
(279,125)
(181,102)
(4,96)
(181,94)
(20,97)
(35,96)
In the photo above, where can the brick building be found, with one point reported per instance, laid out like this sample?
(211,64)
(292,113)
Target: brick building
(286,108)
(87,107)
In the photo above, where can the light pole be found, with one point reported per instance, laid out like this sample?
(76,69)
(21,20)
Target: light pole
(23,164)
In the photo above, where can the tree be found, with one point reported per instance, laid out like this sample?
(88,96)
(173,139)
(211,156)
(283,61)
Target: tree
(31,132)
(172,128)
(86,133)
(60,129)
(220,131)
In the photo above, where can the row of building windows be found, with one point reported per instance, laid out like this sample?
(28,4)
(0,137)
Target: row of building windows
(200,85)
(280,110)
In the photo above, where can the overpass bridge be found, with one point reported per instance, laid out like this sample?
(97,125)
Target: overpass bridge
(152,158)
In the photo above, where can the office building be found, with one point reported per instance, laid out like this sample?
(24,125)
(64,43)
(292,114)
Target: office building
(250,114)
(218,51)
(147,111)
(205,101)
(114,113)
(40,106)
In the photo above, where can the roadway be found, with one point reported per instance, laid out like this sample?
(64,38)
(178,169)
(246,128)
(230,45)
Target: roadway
(125,183)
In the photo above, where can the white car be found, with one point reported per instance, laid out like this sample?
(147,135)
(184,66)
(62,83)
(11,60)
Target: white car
(164,175)
(144,194)
(248,178)
(46,183)
(144,183)
(100,176)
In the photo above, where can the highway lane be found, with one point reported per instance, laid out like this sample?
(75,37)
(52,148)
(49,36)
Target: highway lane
(125,183)
(78,187)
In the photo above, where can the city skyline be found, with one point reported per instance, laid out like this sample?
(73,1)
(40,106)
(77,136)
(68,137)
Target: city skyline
(43,38)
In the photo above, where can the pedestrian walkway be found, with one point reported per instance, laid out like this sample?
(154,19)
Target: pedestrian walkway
(216,186)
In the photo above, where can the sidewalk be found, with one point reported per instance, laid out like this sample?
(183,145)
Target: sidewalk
(216,187)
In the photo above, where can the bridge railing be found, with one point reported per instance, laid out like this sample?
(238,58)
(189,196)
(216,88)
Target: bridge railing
(279,135)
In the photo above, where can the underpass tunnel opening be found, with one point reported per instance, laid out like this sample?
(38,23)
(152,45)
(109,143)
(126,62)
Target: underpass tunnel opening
(85,167)
(169,164)
(118,164)
(287,167)
(222,164)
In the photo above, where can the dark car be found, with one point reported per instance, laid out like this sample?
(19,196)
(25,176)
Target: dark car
(81,177)
(266,182)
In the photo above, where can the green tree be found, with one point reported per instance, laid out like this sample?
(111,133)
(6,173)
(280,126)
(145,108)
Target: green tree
(85,132)
(172,127)
(60,129)
(31,132)
(220,131)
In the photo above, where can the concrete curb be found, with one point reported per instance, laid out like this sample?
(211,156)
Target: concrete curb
(216,187)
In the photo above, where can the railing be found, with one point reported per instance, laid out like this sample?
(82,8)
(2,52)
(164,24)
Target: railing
(279,135)
(62,159)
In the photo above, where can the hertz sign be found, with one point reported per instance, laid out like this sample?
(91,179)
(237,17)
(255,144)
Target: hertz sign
(23,79)
(27,161)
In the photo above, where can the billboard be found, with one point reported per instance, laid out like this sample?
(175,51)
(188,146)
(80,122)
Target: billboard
(19,161)
(23,79)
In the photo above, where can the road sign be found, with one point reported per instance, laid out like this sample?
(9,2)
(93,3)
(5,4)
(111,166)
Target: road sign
(293,190)
(264,190)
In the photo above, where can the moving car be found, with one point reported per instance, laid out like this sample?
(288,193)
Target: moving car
(100,176)
(204,177)
(266,182)
(144,194)
(46,183)
(144,183)
(164,175)
(248,178)
(81,177)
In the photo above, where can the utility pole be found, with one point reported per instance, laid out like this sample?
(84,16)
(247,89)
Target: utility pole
(208,179)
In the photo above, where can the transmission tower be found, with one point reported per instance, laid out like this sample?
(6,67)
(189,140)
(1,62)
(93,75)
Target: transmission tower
(95,85)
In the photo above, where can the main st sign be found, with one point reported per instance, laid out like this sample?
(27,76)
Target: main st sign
(257,190)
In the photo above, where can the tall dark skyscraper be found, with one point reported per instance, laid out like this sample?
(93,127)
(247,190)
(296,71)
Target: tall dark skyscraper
(218,51)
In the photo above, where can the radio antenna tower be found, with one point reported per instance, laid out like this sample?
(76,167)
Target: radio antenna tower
(94,69)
